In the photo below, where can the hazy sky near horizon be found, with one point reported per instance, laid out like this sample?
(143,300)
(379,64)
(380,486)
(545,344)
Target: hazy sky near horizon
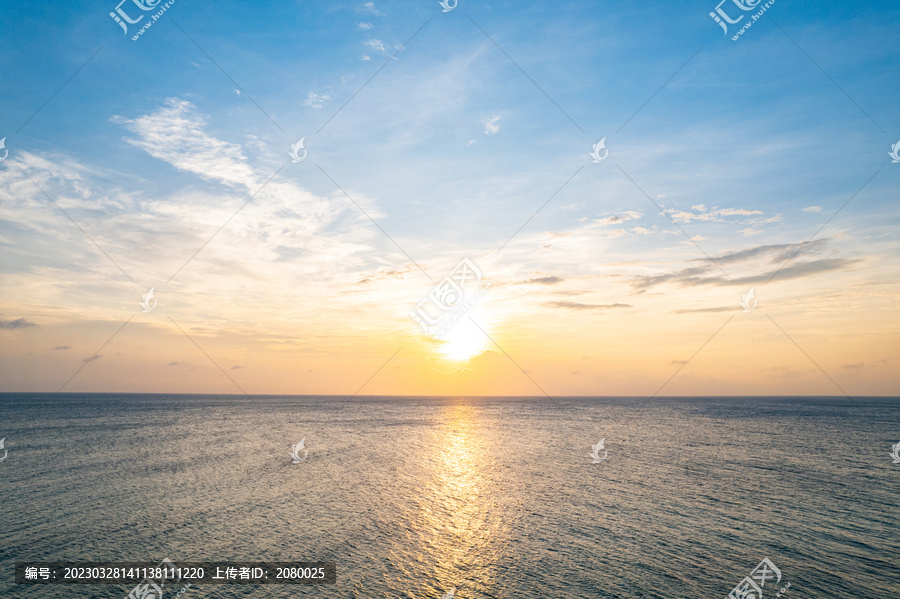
(436,136)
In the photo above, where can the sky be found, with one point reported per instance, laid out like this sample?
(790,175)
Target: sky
(160,158)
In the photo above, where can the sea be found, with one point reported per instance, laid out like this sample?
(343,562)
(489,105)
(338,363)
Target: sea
(460,497)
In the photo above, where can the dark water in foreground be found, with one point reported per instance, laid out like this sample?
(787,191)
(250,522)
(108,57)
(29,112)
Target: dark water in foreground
(492,497)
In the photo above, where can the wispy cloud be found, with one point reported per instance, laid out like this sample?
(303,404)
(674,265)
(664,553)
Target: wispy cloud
(619,218)
(708,274)
(549,280)
(18,323)
(704,310)
(371,8)
(578,306)
(715,214)
(490,124)
(175,134)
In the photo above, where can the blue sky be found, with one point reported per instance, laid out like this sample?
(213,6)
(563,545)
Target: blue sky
(451,147)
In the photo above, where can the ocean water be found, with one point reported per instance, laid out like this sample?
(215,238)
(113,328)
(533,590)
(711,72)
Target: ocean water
(494,497)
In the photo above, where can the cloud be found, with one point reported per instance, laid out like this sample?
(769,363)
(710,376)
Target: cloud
(19,323)
(577,306)
(370,7)
(376,45)
(490,125)
(696,276)
(778,252)
(854,366)
(545,280)
(701,310)
(813,209)
(314,100)
(619,218)
(708,215)
(92,358)
(237,367)
(750,231)
(364,26)
(62,347)
(366,57)
(174,134)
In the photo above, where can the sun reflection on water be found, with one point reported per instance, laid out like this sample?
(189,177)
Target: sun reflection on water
(461,530)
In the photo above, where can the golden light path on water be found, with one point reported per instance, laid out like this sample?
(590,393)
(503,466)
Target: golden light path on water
(456,527)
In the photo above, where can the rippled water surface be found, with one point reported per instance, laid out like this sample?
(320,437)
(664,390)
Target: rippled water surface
(493,497)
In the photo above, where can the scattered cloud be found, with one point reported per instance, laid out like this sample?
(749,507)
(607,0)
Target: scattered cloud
(92,358)
(364,26)
(813,209)
(62,347)
(237,367)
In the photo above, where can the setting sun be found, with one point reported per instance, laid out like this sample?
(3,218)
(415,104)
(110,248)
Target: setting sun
(463,341)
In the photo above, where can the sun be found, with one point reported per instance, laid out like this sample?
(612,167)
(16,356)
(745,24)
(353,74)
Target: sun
(463,341)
